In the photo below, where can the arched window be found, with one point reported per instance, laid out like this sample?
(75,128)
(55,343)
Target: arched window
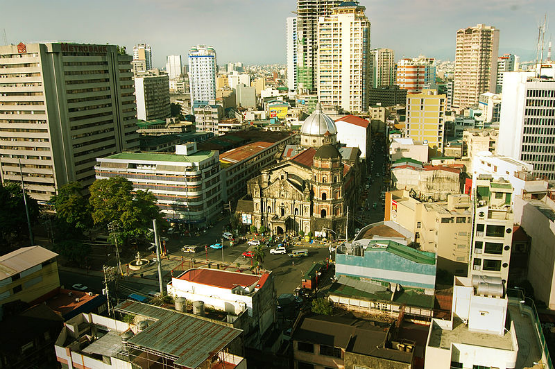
(282,212)
(324,196)
(296,211)
(323,213)
(325,179)
(335,179)
(269,209)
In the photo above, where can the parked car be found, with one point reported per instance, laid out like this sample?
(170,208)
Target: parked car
(248,254)
(190,248)
(227,236)
(278,250)
(217,246)
(79,287)
(298,253)
(253,242)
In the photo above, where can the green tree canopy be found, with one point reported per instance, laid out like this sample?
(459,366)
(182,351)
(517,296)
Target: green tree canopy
(322,306)
(13,220)
(72,207)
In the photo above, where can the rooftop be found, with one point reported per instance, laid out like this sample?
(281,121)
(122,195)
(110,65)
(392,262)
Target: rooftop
(352,119)
(244,152)
(420,257)
(222,278)
(22,259)
(154,157)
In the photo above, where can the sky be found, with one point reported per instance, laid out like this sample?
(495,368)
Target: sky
(253,31)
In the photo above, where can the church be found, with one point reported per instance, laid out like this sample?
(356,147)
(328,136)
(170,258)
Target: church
(312,191)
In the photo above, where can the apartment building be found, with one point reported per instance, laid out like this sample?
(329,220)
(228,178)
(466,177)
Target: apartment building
(143,52)
(425,119)
(475,64)
(490,105)
(478,140)
(174,67)
(186,184)
(505,63)
(291,42)
(62,106)
(152,92)
(202,74)
(343,58)
(416,74)
(527,125)
(208,116)
(383,66)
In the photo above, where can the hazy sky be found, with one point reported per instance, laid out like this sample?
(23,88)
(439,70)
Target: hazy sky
(253,31)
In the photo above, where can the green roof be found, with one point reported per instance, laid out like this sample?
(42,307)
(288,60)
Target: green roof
(314,268)
(407,160)
(501,185)
(196,157)
(147,123)
(403,251)
(442,158)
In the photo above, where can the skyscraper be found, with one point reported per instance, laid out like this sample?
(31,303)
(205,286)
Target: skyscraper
(173,66)
(63,105)
(505,63)
(425,119)
(383,64)
(152,92)
(527,122)
(416,74)
(475,64)
(308,13)
(292,53)
(343,58)
(202,74)
(143,52)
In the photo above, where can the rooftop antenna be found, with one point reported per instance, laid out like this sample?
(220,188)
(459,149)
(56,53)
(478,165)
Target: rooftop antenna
(540,46)
(549,53)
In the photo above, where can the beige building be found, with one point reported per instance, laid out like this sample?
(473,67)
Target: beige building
(444,228)
(343,58)
(425,119)
(408,148)
(476,141)
(383,66)
(430,182)
(475,64)
(62,106)
(152,92)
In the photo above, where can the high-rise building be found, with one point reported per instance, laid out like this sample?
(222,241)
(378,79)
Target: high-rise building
(475,64)
(292,53)
(383,64)
(308,13)
(425,119)
(152,92)
(143,52)
(202,74)
(62,106)
(173,66)
(416,74)
(343,58)
(505,63)
(527,123)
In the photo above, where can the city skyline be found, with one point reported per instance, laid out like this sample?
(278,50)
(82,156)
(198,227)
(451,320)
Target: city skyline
(253,31)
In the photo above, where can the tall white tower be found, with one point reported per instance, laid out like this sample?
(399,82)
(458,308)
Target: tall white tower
(202,74)
(174,66)
(292,53)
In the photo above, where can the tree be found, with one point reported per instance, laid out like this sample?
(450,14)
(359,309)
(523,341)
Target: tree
(253,228)
(258,255)
(73,250)
(72,207)
(114,202)
(322,306)
(262,229)
(13,218)
(176,111)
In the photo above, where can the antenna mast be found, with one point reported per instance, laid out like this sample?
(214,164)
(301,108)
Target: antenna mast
(5,38)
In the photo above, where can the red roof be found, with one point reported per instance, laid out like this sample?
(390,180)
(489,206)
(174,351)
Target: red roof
(441,167)
(353,119)
(244,152)
(222,278)
(305,158)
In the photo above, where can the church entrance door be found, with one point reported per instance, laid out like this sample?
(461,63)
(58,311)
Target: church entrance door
(279,230)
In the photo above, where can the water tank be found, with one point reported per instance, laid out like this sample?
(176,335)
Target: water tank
(477,279)
(142,325)
(198,308)
(489,289)
(180,303)
(127,335)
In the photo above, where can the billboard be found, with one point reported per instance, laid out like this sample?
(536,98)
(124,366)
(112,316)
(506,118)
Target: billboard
(278,111)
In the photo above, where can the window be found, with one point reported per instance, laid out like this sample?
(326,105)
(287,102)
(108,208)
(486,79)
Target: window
(418,224)
(330,351)
(493,248)
(495,230)
(306,347)
(17,289)
(498,195)
(492,265)
(461,219)
(324,196)
(479,227)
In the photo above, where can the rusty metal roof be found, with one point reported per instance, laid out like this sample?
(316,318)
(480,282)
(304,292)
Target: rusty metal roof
(23,259)
(188,339)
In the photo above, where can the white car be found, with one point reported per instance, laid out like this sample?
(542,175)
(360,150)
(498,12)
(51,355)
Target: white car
(227,236)
(253,243)
(79,287)
(278,250)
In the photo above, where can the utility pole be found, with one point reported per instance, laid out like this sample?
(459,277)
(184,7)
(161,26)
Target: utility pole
(108,271)
(26,207)
(347,226)
(157,241)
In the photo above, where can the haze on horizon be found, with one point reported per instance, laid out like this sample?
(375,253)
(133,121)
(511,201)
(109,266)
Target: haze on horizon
(253,31)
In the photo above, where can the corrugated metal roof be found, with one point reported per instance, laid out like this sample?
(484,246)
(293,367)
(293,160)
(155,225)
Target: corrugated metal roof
(244,152)
(188,339)
(23,259)
(222,278)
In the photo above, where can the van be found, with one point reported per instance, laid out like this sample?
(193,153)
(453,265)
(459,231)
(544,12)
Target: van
(298,253)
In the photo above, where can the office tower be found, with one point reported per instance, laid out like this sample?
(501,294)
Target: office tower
(383,64)
(202,73)
(475,64)
(505,63)
(343,58)
(152,92)
(143,52)
(173,66)
(63,105)
(291,53)
(425,119)
(527,123)
(416,74)
(308,13)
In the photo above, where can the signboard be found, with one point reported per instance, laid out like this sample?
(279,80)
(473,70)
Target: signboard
(246,218)
(76,48)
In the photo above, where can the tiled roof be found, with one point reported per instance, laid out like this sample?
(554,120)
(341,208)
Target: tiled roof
(305,158)
(223,279)
(352,119)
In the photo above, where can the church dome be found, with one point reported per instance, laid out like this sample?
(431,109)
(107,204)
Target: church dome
(318,123)
(327,152)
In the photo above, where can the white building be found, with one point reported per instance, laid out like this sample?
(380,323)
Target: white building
(416,74)
(174,66)
(185,184)
(62,106)
(490,105)
(343,58)
(505,63)
(354,131)
(208,116)
(527,126)
(152,93)
(143,52)
(408,148)
(202,73)
(235,78)
(291,41)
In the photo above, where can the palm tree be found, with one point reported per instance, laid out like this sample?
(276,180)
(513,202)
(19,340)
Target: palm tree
(258,255)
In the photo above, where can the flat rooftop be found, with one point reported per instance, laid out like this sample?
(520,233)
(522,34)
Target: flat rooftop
(153,157)
(244,152)
(223,279)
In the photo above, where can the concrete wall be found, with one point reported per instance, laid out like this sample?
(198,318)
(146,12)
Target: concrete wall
(352,359)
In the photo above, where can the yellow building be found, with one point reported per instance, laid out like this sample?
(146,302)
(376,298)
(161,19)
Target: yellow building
(27,274)
(425,119)
(222,82)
